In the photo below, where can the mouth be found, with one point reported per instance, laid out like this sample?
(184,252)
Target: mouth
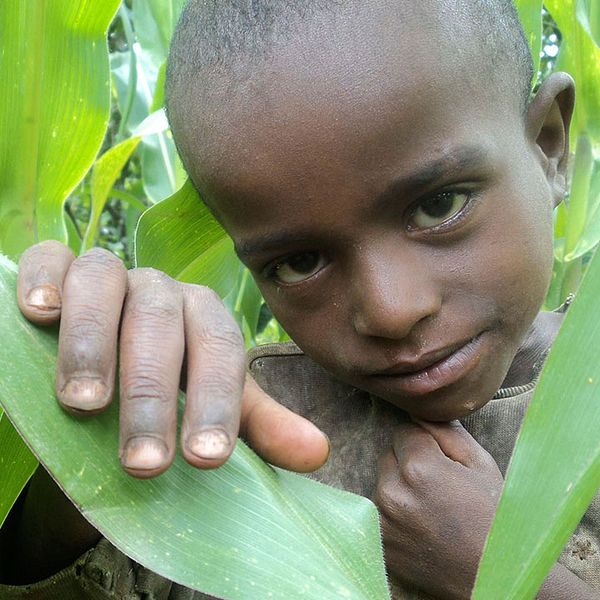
(434,370)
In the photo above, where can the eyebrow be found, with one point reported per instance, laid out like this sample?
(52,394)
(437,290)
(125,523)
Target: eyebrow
(268,242)
(457,160)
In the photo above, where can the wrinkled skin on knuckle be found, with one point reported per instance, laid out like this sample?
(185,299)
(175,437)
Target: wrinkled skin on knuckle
(145,382)
(224,339)
(153,298)
(98,261)
(148,276)
(201,295)
(415,472)
(220,381)
(89,326)
(391,501)
(45,251)
(153,310)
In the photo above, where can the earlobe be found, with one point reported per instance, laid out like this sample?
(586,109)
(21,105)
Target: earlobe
(548,120)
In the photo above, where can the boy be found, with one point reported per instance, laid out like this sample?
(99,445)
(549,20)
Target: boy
(391,187)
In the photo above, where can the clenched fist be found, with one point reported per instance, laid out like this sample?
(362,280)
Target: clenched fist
(437,492)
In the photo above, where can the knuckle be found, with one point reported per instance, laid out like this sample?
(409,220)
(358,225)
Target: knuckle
(143,276)
(98,258)
(154,308)
(47,249)
(385,499)
(203,293)
(144,382)
(415,472)
(87,326)
(393,503)
(98,265)
(225,338)
(218,383)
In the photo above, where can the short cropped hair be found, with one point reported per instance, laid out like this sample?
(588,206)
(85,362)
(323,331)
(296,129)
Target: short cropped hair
(216,35)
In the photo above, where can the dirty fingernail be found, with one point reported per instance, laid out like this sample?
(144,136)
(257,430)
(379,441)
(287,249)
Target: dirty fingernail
(211,444)
(144,453)
(44,297)
(84,393)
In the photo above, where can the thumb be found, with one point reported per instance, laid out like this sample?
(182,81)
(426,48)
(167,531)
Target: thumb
(456,442)
(279,435)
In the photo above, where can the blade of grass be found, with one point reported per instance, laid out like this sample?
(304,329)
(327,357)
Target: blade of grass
(555,469)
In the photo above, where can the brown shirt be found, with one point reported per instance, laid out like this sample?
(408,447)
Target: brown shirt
(360,428)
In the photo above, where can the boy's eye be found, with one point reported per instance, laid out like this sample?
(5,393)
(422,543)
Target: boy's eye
(297,267)
(437,209)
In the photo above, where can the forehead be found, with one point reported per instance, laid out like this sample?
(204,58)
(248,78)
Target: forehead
(364,96)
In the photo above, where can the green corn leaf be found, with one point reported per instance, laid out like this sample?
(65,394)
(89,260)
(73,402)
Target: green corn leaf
(530,12)
(244,531)
(555,468)
(580,195)
(54,108)
(17,465)
(106,171)
(155,21)
(590,237)
(588,13)
(180,237)
(580,57)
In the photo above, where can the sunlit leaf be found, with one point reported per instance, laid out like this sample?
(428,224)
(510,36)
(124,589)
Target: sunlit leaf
(17,464)
(180,237)
(588,13)
(155,21)
(54,108)
(245,531)
(580,57)
(106,171)
(530,12)
(157,152)
(555,469)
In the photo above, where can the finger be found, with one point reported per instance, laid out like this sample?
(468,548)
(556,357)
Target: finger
(280,436)
(42,270)
(216,361)
(93,294)
(151,352)
(391,495)
(456,442)
(417,453)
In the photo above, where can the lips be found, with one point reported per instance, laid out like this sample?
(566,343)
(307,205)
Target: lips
(433,370)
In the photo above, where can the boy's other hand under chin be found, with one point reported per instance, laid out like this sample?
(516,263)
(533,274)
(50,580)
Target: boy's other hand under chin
(437,492)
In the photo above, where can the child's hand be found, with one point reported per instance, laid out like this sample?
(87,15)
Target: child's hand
(155,320)
(437,493)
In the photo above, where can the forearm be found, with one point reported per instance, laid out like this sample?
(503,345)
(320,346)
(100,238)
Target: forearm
(46,534)
(562,584)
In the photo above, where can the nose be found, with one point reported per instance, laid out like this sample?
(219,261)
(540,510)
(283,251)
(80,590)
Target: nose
(391,293)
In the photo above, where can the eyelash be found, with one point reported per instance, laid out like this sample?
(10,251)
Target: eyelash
(450,223)
(270,271)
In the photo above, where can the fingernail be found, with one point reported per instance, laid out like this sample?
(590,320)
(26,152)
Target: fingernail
(212,444)
(144,453)
(44,297)
(84,393)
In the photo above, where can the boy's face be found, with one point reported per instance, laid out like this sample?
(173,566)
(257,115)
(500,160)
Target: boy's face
(396,217)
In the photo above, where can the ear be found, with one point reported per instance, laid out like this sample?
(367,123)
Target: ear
(548,120)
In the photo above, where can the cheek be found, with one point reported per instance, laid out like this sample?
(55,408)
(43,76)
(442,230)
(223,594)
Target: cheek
(518,266)
(321,326)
